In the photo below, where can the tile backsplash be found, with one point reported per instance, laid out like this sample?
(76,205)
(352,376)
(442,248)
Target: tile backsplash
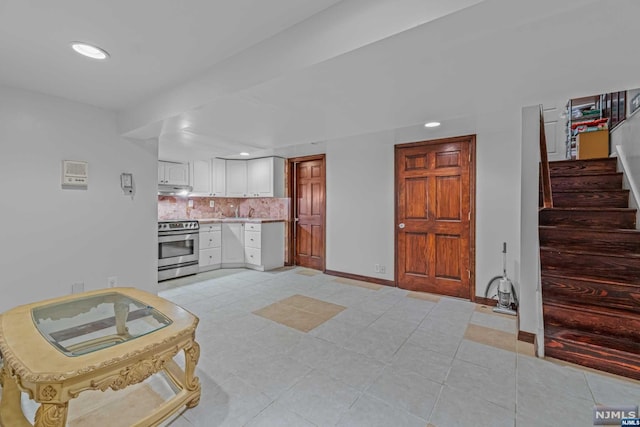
(171,207)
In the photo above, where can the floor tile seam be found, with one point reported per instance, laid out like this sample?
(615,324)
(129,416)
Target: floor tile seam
(359,393)
(511,408)
(543,389)
(402,368)
(435,405)
(393,406)
(473,363)
(515,334)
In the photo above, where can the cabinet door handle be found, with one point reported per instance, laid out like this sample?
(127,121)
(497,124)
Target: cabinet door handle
(401,225)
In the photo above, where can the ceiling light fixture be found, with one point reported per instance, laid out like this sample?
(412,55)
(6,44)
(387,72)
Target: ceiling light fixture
(89,51)
(244,153)
(432,124)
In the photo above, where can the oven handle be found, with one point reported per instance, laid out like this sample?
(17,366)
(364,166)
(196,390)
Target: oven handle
(176,237)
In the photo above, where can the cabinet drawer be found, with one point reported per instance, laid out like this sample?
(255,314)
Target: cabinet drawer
(205,228)
(252,226)
(253,256)
(212,239)
(210,256)
(252,239)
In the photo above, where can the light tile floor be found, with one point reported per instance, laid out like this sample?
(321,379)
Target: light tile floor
(391,358)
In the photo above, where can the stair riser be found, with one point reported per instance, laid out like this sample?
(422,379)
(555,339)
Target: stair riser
(562,290)
(627,365)
(625,270)
(600,199)
(607,324)
(587,182)
(580,167)
(604,219)
(591,240)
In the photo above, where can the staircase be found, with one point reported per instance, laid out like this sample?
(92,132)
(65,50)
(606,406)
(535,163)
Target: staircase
(590,261)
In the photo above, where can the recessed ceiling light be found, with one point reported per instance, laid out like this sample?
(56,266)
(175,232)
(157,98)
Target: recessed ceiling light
(89,50)
(432,124)
(244,153)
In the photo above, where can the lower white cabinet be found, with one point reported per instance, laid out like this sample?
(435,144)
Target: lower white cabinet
(259,246)
(264,245)
(233,244)
(210,247)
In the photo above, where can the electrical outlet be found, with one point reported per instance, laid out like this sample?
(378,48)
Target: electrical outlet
(190,203)
(112,281)
(383,269)
(376,268)
(212,203)
(77,287)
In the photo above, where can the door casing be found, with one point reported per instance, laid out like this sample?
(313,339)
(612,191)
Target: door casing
(291,189)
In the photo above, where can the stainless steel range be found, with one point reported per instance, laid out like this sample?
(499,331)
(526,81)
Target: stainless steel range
(178,248)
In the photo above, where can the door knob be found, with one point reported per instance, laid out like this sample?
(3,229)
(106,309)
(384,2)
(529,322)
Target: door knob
(401,225)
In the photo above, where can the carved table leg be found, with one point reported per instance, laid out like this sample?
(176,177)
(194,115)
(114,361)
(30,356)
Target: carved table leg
(192,383)
(51,415)
(10,410)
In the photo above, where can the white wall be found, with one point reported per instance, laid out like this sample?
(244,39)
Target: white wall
(50,237)
(360,204)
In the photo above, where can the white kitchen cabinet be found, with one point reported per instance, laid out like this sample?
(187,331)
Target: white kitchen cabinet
(218,177)
(264,245)
(233,244)
(172,173)
(265,177)
(236,177)
(201,177)
(210,247)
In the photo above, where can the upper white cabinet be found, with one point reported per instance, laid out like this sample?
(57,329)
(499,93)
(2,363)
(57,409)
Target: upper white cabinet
(265,177)
(201,178)
(236,176)
(171,173)
(218,177)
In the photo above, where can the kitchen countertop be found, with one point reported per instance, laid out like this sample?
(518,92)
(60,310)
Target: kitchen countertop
(250,220)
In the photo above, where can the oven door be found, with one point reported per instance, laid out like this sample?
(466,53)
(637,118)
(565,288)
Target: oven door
(177,248)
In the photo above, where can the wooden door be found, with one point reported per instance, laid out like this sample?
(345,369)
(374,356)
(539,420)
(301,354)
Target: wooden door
(309,212)
(434,233)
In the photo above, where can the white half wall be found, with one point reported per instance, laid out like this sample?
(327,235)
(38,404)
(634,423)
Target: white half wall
(627,135)
(360,196)
(53,237)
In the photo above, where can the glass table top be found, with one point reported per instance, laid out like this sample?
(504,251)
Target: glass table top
(83,325)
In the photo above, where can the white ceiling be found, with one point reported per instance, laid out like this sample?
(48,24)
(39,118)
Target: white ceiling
(300,72)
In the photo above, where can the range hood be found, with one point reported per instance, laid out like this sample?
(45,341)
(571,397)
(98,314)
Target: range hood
(174,190)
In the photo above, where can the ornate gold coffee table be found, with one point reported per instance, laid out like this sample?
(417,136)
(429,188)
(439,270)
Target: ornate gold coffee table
(108,339)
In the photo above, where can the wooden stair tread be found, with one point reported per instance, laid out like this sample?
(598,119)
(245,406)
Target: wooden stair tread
(584,161)
(598,280)
(591,209)
(578,167)
(630,255)
(585,175)
(581,291)
(591,190)
(623,345)
(595,311)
